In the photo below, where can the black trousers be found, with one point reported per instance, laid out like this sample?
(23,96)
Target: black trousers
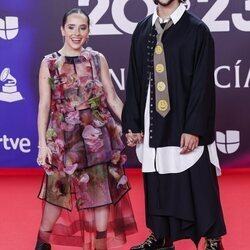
(185,205)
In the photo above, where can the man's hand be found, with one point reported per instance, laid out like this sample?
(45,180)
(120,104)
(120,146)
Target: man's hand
(134,138)
(188,143)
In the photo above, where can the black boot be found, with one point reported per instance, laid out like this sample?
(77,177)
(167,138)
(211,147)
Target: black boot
(40,245)
(213,244)
(153,243)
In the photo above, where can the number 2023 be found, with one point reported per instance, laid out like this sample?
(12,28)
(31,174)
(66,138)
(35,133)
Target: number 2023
(127,26)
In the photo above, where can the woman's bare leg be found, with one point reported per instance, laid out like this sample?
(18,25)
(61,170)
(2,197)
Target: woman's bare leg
(101,222)
(49,218)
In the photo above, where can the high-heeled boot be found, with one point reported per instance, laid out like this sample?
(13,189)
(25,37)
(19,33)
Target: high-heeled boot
(101,240)
(41,245)
(213,244)
(153,243)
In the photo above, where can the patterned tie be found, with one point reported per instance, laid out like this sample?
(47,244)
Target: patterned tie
(162,101)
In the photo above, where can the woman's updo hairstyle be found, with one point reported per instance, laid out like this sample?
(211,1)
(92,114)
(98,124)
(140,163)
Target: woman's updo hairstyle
(74,11)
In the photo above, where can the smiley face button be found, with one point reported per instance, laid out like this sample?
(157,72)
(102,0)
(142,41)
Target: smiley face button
(158,49)
(161,86)
(162,105)
(159,68)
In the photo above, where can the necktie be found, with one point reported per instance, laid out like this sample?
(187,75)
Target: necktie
(162,101)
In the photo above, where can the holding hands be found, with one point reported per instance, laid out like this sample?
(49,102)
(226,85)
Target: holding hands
(188,142)
(134,138)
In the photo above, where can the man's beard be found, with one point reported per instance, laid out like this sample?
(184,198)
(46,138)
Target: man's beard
(163,2)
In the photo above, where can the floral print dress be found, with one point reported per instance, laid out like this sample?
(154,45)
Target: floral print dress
(87,161)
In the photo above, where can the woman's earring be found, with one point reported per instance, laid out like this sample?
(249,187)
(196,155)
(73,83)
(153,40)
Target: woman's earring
(63,38)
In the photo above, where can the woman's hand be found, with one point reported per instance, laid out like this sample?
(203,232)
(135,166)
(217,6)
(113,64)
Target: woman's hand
(134,138)
(43,154)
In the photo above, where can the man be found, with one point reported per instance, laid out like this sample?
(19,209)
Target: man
(169,113)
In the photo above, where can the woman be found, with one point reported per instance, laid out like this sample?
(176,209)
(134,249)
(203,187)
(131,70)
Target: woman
(85,188)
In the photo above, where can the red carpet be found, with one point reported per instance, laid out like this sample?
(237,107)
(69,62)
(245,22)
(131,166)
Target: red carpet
(20,210)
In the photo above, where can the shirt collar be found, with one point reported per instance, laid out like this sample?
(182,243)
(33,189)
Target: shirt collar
(175,16)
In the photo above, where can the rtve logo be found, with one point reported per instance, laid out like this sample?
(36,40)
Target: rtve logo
(8,27)
(16,144)
(229,142)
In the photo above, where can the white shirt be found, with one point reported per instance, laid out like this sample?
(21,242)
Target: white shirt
(166,160)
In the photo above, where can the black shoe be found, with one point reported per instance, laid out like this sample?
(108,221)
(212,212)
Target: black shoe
(40,245)
(213,244)
(154,244)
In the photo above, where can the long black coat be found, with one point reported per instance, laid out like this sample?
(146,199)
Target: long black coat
(189,52)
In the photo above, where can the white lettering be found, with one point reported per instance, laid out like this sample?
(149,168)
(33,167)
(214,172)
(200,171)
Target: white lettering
(22,144)
(246,85)
(118,14)
(238,82)
(96,14)
(14,143)
(188,4)
(214,12)
(211,18)
(239,22)
(216,72)
(25,145)
(120,18)
(5,142)
(120,84)
(237,74)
